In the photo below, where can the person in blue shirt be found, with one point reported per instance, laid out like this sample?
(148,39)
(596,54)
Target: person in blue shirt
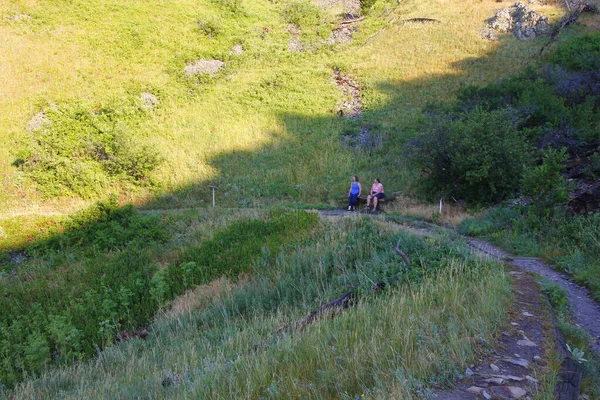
(355,190)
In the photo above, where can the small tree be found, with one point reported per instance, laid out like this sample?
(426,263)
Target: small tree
(477,156)
(544,184)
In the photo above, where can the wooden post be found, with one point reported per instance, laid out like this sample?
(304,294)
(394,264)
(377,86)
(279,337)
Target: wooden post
(441,205)
(213,195)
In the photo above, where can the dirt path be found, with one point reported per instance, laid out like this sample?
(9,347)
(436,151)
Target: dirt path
(526,343)
(585,311)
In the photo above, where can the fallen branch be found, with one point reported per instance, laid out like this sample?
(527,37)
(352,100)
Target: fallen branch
(423,20)
(571,19)
(347,300)
(351,21)
(401,253)
(331,308)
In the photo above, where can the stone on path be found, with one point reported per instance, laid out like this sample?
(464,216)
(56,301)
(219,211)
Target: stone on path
(509,378)
(494,368)
(527,314)
(508,392)
(526,342)
(521,362)
(475,389)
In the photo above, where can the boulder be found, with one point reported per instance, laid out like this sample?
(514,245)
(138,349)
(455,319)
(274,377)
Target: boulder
(521,20)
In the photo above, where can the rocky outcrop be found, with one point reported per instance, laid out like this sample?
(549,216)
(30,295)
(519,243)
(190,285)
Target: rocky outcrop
(521,20)
(209,67)
(38,122)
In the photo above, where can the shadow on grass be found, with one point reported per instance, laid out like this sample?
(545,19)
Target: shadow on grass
(103,271)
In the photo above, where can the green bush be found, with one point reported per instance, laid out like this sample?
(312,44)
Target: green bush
(580,53)
(477,156)
(302,13)
(544,183)
(83,151)
(104,275)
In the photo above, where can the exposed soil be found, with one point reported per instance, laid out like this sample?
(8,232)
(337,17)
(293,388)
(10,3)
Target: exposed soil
(352,106)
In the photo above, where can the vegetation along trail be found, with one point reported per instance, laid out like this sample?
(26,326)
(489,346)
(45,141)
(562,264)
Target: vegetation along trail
(586,311)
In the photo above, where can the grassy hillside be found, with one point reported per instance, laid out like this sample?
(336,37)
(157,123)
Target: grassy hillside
(263,129)
(240,340)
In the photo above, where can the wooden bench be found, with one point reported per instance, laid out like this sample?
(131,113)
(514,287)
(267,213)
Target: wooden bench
(387,199)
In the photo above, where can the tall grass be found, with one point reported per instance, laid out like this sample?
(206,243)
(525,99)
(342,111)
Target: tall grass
(415,334)
(110,270)
(570,243)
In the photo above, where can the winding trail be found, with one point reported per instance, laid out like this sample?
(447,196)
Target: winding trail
(584,309)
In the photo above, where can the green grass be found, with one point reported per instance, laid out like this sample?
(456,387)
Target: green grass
(575,337)
(262,110)
(570,243)
(110,270)
(407,339)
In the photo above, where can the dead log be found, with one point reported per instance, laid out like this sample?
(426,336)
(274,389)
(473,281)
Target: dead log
(331,308)
(423,20)
(334,307)
(569,380)
(352,21)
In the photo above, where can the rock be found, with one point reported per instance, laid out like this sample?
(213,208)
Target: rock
(17,18)
(526,342)
(149,100)
(209,67)
(537,358)
(508,392)
(527,314)
(531,379)
(494,381)
(504,333)
(475,389)
(514,323)
(510,378)
(528,23)
(349,6)
(341,35)
(486,395)
(524,23)
(469,372)
(521,362)
(238,49)
(501,22)
(38,122)
(494,368)
(295,45)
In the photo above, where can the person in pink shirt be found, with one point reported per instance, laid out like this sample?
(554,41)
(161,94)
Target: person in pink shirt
(376,194)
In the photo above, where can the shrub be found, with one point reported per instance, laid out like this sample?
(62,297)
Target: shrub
(477,156)
(302,13)
(82,151)
(581,53)
(544,183)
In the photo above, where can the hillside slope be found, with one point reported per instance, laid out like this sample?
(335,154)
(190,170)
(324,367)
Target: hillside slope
(264,128)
